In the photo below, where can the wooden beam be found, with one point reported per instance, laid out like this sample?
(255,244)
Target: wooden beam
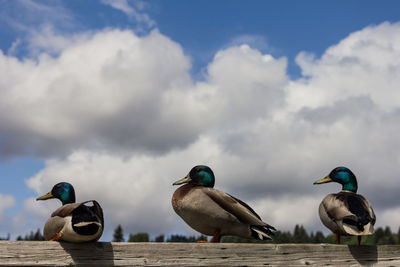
(36,253)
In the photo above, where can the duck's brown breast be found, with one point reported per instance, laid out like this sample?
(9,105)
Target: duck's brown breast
(179,194)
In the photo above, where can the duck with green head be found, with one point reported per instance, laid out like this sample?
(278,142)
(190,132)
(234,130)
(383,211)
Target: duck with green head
(346,213)
(72,222)
(213,212)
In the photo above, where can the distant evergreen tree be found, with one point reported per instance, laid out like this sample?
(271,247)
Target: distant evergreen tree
(38,236)
(118,234)
(300,234)
(282,237)
(319,237)
(398,236)
(159,238)
(32,236)
(389,238)
(5,238)
(182,238)
(139,237)
(177,238)
(379,234)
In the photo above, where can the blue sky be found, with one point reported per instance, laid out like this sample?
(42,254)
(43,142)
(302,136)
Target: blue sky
(296,35)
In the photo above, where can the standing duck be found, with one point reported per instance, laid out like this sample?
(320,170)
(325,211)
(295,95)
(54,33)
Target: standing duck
(346,213)
(215,213)
(72,222)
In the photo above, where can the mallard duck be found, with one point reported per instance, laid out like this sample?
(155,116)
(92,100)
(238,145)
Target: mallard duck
(215,213)
(346,213)
(72,222)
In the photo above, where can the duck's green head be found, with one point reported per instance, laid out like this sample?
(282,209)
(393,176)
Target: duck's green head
(199,175)
(62,191)
(343,176)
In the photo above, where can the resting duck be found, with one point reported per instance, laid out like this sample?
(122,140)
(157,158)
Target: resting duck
(215,213)
(346,213)
(72,222)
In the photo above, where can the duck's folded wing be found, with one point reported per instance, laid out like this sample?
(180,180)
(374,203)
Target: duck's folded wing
(66,209)
(336,208)
(243,212)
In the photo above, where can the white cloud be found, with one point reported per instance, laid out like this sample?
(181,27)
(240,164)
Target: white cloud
(6,202)
(366,63)
(135,12)
(14,46)
(130,93)
(45,39)
(119,87)
(287,211)
(35,12)
(247,83)
(258,42)
(391,217)
(129,119)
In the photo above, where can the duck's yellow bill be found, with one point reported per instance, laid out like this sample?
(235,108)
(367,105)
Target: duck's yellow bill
(185,180)
(47,196)
(324,180)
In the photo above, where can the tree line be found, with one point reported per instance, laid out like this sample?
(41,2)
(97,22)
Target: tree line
(32,236)
(145,237)
(382,236)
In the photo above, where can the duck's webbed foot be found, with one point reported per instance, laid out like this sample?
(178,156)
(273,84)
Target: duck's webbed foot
(56,237)
(216,237)
(338,239)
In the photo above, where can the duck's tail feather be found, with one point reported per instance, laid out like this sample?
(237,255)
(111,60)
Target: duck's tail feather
(353,230)
(353,225)
(262,232)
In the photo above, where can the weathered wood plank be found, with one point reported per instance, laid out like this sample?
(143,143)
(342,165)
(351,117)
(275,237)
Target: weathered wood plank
(29,253)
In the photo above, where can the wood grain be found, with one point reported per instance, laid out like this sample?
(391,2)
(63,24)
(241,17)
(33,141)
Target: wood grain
(31,253)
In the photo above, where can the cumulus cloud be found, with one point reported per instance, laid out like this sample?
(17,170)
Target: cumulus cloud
(366,63)
(130,93)
(134,11)
(391,217)
(119,117)
(6,202)
(258,42)
(112,84)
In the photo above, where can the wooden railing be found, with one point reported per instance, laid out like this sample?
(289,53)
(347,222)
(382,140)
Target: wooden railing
(35,253)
